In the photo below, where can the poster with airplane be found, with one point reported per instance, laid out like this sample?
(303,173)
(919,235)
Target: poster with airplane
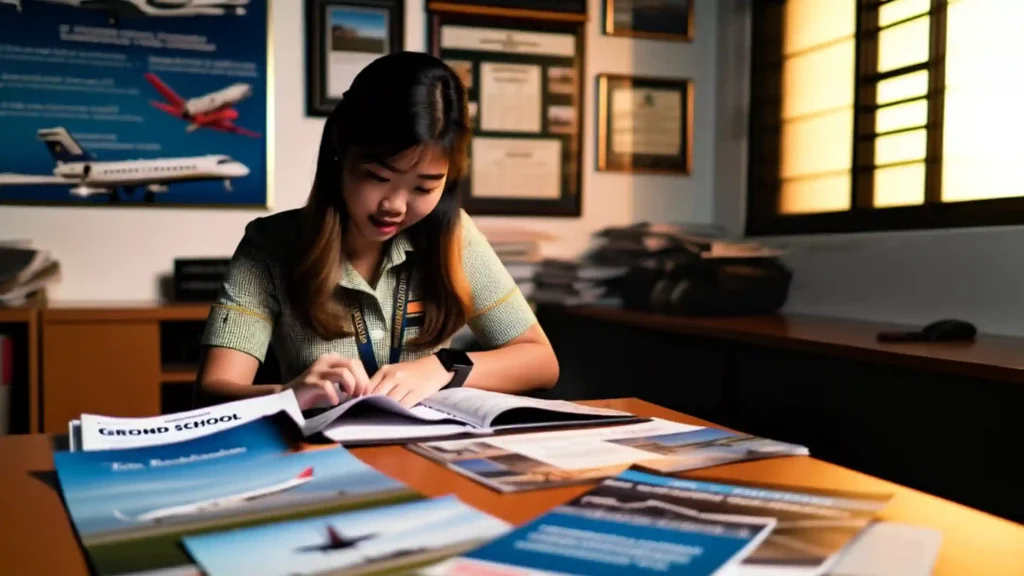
(134,102)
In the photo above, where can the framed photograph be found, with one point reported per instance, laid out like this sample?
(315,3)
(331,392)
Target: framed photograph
(481,6)
(523,80)
(644,124)
(342,37)
(656,19)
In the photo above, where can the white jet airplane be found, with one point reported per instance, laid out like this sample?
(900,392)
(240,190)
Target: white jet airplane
(88,176)
(161,7)
(221,503)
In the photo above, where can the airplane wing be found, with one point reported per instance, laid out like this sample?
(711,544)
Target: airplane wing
(11,179)
(177,102)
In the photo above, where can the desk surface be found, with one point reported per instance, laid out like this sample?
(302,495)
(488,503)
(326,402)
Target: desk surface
(987,356)
(36,536)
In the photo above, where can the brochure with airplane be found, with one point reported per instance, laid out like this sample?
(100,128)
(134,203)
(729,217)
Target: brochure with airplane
(564,457)
(633,524)
(131,507)
(385,539)
(372,419)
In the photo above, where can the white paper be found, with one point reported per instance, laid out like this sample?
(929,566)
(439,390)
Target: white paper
(581,449)
(380,402)
(646,121)
(890,549)
(517,168)
(111,432)
(389,427)
(503,40)
(481,407)
(510,97)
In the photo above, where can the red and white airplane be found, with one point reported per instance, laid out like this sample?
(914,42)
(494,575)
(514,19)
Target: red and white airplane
(214,504)
(214,110)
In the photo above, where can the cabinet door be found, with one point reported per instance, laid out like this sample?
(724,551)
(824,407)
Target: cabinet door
(102,367)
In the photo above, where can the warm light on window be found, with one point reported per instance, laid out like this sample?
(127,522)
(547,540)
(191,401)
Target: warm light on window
(901,147)
(897,10)
(829,193)
(817,106)
(983,114)
(901,116)
(903,87)
(899,185)
(904,44)
(819,80)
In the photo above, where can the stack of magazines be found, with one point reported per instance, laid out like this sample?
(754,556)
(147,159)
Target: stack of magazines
(239,489)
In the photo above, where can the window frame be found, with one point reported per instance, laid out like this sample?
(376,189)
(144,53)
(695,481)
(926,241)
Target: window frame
(764,134)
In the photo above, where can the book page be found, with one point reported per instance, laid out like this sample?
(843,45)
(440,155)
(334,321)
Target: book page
(481,407)
(109,432)
(389,427)
(381,402)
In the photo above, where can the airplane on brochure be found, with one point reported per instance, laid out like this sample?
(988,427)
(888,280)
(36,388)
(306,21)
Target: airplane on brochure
(335,541)
(87,176)
(161,7)
(223,502)
(213,110)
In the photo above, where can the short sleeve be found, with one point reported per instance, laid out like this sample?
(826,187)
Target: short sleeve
(243,316)
(501,312)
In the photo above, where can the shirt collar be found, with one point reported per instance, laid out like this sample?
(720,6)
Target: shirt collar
(395,255)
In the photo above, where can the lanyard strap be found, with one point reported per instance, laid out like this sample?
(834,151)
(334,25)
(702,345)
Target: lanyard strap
(398,323)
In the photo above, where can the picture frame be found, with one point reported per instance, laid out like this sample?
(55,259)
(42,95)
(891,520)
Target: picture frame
(645,124)
(515,7)
(342,37)
(670,20)
(524,79)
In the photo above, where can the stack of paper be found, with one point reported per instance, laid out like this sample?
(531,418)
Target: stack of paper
(246,500)
(24,272)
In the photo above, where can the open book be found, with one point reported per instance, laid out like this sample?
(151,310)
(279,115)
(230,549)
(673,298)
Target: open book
(374,419)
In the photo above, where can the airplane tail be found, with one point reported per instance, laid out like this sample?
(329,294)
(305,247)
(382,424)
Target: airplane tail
(62,146)
(122,516)
(177,102)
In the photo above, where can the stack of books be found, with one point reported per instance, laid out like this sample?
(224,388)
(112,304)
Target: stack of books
(25,273)
(520,250)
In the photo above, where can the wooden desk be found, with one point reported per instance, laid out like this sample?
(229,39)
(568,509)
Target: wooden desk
(36,535)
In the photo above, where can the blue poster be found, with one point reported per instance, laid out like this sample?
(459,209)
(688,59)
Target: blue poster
(133,102)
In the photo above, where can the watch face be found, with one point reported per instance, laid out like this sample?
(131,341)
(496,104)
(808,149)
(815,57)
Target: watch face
(452,358)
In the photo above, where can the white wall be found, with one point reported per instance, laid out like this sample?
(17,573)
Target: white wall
(146,240)
(904,277)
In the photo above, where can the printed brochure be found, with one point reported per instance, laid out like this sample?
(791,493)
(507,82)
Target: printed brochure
(132,507)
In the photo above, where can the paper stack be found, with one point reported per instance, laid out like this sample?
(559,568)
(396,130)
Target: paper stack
(24,272)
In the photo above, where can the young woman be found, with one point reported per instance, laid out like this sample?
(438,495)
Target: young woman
(362,289)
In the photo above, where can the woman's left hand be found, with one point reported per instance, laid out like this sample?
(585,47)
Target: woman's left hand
(410,382)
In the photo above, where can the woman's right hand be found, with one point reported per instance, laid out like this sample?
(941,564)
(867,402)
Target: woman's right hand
(317,384)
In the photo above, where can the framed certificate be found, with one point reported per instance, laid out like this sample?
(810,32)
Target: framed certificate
(662,20)
(523,85)
(342,37)
(644,124)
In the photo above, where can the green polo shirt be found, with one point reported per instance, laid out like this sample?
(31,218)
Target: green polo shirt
(253,311)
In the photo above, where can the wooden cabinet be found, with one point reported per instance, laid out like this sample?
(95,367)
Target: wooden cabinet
(21,326)
(117,360)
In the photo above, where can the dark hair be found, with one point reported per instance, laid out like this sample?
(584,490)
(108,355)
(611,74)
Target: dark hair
(399,102)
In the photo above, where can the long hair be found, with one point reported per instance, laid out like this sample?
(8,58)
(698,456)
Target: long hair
(399,102)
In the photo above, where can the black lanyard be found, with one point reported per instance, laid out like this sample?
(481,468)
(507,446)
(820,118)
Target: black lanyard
(398,323)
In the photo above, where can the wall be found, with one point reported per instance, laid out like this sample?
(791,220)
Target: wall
(94,243)
(904,277)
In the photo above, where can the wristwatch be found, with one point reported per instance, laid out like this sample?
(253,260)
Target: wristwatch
(455,361)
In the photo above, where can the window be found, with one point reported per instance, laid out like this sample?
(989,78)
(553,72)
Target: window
(884,115)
